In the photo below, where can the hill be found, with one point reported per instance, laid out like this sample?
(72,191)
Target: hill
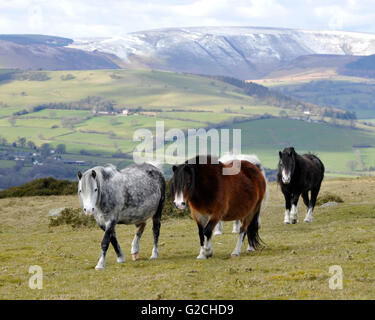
(362,67)
(240,52)
(353,94)
(82,110)
(36,52)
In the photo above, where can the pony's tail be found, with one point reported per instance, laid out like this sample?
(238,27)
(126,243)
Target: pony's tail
(253,232)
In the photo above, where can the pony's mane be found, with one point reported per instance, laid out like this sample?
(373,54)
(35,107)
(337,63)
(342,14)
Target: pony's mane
(179,182)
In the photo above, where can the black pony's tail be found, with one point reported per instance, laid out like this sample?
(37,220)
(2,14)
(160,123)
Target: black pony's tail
(253,232)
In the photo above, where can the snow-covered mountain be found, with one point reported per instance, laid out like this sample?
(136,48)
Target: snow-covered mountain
(243,52)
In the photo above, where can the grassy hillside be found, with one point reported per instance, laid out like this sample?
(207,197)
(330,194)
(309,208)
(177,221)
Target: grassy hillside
(37,106)
(348,95)
(128,88)
(336,146)
(294,263)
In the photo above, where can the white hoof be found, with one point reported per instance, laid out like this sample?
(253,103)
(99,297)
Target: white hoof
(235,255)
(154,256)
(218,233)
(307,220)
(135,256)
(205,253)
(250,248)
(286,222)
(121,259)
(99,267)
(235,231)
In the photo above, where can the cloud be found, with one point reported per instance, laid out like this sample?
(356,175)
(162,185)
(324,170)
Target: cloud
(100,18)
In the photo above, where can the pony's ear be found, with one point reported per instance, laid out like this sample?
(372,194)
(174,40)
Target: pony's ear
(174,168)
(187,168)
(292,151)
(93,173)
(79,174)
(280,154)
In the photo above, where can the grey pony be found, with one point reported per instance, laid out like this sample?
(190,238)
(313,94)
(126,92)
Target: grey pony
(130,196)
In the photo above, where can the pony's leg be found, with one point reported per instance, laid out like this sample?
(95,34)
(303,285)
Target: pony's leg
(314,196)
(306,201)
(294,211)
(156,231)
(201,222)
(237,250)
(236,226)
(137,237)
(108,231)
(116,246)
(288,205)
(207,250)
(243,231)
(218,229)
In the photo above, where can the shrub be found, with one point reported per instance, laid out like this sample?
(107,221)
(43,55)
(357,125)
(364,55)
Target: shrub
(328,197)
(74,218)
(41,187)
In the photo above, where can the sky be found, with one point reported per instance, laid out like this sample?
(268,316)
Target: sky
(106,18)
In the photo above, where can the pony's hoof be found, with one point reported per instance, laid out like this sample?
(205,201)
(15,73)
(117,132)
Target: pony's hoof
(218,233)
(307,220)
(99,267)
(154,256)
(234,255)
(294,221)
(235,231)
(135,256)
(286,222)
(201,257)
(250,249)
(120,259)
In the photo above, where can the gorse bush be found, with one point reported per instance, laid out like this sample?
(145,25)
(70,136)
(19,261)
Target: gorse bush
(74,218)
(328,197)
(41,187)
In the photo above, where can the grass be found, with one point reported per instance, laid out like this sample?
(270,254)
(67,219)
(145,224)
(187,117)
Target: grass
(220,102)
(349,94)
(333,145)
(132,88)
(293,264)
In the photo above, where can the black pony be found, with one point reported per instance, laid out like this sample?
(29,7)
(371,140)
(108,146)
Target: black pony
(299,174)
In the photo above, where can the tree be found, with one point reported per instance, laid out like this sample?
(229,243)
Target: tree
(30,144)
(61,149)
(21,142)
(45,150)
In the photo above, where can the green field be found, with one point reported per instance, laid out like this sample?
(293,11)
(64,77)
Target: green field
(348,94)
(201,103)
(128,88)
(293,264)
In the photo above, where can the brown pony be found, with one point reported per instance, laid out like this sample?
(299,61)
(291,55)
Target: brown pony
(213,196)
